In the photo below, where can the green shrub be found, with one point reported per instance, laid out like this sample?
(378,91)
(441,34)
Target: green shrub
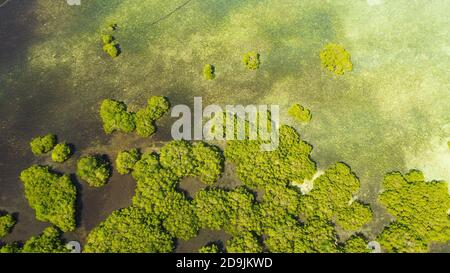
(177,157)
(209,72)
(6,224)
(335,58)
(356,244)
(299,113)
(48,242)
(52,196)
(145,126)
(107,39)
(61,152)
(146,167)
(208,161)
(10,248)
(129,230)
(244,243)
(112,49)
(42,145)
(126,160)
(156,107)
(115,116)
(251,60)
(94,170)
(210,248)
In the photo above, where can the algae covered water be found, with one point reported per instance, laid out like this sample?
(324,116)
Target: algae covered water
(390,113)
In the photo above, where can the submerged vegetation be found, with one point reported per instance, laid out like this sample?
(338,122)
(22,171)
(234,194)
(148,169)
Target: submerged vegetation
(335,58)
(52,196)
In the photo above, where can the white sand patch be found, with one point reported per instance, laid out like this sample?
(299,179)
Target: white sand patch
(307,185)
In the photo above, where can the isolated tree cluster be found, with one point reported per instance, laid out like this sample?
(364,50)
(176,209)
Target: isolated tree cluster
(116,117)
(94,169)
(299,113)
(336,59)
(51,195)
(44,144)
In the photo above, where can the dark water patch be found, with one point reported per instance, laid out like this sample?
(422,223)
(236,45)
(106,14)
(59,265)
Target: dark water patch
(204,237)
(17,22)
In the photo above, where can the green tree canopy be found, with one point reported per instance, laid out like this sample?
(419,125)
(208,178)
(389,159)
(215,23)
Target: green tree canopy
(43,144)
(356,244)
(48,242)
(129,230)
(333,199)
(421,211)
(291,162)
(335,58)
(156,107)
(246,242)
(299,113)
(51,195)
(209,72)
(210,248)
(126,160)
(251,60)
(6,224)
(116,117)
(94,170)
(61,152)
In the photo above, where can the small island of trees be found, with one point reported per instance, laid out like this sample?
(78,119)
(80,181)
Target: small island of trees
(209,72)
(52,196)
(7,222)
(95,170)
(299,113)
(336,59)
(116,117)
(251,60)
(43,145)
(61,152)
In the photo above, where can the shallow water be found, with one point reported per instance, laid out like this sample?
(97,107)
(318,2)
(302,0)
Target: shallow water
(390,113)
